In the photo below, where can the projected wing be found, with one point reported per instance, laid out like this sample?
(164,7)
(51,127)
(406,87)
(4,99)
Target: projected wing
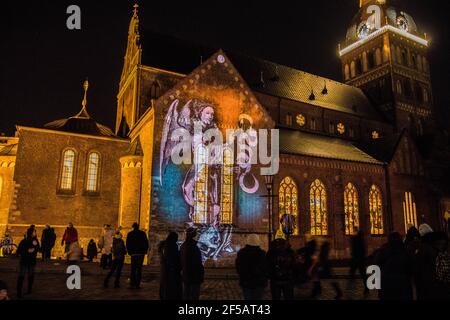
(172,121)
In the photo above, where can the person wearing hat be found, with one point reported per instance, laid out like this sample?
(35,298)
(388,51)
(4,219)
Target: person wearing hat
(137,247)
(252,267)
(192,266)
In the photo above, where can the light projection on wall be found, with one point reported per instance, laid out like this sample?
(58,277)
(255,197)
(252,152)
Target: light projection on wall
(190,132)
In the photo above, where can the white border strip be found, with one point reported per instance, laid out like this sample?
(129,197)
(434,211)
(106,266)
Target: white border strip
(380,31)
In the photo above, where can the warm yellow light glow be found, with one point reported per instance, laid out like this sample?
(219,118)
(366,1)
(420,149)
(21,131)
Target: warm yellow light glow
(301,120)
(92,172)
(376,211)
(226,195)
(341,128)
(318,209)
(409,211)
(201,185)
(288,195)
(351,208)
(375,135)
(67,170)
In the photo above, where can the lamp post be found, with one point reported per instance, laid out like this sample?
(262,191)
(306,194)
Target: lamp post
(268,179)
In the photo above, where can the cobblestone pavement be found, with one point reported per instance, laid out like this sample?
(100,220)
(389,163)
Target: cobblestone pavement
(220,284)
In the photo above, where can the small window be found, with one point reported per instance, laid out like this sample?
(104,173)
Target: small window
(378,57)
(341,128)
(331,128)
(353,69)
(399,87)
(346,72)
(289,119)
(375,135)
(301,120)
(93,170)
(312,124)
(67,171)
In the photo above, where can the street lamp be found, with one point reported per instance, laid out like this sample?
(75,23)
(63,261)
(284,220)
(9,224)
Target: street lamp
(268,179)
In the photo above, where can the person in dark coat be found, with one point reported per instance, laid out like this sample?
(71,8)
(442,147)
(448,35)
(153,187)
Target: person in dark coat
(192,268)
(358,259)
(119,252)
(396,270)
(412,241)
(251,265)
(323,270)
(170,276)
(137,247)
(3,291)
(92,250)
(27,251)
(304,262)
(48,240)
(281,262)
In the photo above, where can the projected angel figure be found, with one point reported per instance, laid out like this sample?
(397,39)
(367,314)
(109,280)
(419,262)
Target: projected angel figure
(201,185)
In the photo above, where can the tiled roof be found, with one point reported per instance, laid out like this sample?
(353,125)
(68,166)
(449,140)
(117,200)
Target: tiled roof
(307,144)
(168,53)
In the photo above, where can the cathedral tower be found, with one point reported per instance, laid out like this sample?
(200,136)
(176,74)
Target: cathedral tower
(385,54)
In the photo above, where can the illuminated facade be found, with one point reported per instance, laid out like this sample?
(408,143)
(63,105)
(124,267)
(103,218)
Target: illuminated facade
(344,165)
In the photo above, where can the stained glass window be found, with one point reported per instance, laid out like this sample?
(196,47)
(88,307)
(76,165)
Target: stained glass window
(318,208)
(376,211)
(68,169)
(227,188)
(351,208)
(93,172)
(288,197)
(201,185)
(409,211)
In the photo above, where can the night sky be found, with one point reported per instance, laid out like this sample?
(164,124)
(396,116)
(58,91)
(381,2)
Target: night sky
(43,64)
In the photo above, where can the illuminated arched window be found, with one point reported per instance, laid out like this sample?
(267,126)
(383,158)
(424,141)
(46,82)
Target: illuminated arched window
(318,209)
(378,57)
(351,208)
(353,69)
(68,171)
(288,196)
(376,211)
(409,211)
(93,171)
(346,72)
(201,185)
(226,195)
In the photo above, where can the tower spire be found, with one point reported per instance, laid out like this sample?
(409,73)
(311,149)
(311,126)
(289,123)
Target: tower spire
(83,113)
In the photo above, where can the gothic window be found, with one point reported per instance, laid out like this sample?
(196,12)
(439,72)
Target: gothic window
(353,69)
(407,88)
(370,60)
(331,128)
(226,194)
(426,98)
(419,92)
(359,67)
(414,61)
(288,197)
(378,56)
(399,56)
(394,53)
(346,72)
(376,211)
(289,119)
(155,91)
(351,208)
(312,124)
(67,171)
(404,57)
(409,211)
(318,209)
(399,87)
(201,185)
(93,171)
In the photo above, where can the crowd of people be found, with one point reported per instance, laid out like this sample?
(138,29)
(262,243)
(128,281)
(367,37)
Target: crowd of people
(416,267)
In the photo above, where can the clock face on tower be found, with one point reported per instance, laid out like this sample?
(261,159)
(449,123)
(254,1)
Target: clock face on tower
(402,23)
(363,30)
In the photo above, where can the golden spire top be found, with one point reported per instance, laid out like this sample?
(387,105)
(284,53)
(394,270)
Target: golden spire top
(135,10)
(83,113)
